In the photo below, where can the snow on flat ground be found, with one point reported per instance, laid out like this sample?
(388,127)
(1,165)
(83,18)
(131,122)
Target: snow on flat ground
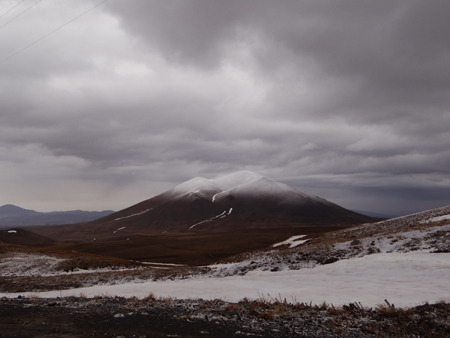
(28,265)
(33,265)
(404,279)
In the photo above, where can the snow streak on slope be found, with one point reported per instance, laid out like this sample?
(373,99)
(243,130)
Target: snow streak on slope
(221,215)
(119,229)
(133,215)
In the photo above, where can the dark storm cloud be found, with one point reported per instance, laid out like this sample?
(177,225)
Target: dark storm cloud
(335,97)
(384,62)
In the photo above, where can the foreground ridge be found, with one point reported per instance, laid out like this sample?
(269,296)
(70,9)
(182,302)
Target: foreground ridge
(194,318)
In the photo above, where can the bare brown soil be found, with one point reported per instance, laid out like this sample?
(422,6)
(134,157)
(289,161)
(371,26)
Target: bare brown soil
(189,248)
(119,317)
(24,237)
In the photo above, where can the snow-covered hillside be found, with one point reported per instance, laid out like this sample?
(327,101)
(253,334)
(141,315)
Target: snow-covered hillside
(427,232)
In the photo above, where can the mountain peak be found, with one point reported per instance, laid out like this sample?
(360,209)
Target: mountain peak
(219,184)
(237,178)
(193,185)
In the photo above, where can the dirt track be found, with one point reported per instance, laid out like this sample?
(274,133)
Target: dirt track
(118,317)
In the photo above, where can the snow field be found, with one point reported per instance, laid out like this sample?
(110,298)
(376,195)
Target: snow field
(404,279)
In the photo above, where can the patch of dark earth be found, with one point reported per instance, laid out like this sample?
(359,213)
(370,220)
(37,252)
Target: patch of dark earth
(151,317)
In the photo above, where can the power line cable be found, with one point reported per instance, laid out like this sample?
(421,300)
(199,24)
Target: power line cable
(51,32)
(12,8)
(20,14)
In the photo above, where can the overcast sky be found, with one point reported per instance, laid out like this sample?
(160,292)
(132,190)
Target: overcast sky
(105,106)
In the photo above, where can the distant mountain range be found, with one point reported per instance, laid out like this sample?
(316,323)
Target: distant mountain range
(239,201)
(12,215)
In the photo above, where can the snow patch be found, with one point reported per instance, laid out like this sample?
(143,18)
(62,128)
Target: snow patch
(292,241)
(12,231)
(437,219)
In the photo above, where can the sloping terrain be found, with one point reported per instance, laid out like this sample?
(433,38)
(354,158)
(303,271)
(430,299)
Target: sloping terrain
(24,237)
(427,231)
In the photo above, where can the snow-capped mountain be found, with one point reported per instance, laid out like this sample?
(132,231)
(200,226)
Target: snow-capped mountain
(238,201)
(242,184)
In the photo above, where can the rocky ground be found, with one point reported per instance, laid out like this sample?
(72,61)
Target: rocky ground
(151,317)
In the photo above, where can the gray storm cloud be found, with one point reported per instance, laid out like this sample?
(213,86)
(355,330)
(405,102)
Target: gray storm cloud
(348,100)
